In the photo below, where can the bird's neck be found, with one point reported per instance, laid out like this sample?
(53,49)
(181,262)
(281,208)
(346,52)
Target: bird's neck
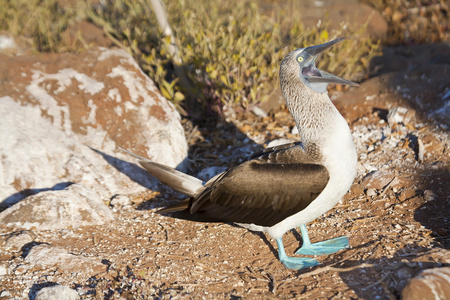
(314,114)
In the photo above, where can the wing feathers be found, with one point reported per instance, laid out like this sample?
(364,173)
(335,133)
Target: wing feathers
(264,190)
(262,193)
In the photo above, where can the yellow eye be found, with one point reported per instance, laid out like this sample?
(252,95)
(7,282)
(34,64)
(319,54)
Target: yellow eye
(300,58)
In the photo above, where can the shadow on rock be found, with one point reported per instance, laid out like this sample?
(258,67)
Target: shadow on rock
(419,76)
(28,246)
(17,197)
(433,214)
(39,286)
(133,171)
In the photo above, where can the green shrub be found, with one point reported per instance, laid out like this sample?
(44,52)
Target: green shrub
(230,51)
(43,21)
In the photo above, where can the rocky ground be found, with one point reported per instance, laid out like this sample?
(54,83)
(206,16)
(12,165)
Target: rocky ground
(395,215)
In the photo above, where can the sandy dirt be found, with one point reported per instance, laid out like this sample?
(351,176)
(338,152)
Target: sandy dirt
(396,229)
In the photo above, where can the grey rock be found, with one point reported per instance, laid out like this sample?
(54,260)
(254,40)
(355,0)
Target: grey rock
(73,207)
(17,240)
(398,115)
(45,256)
(57,292)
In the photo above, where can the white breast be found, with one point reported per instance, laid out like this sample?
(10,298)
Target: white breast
(340,160)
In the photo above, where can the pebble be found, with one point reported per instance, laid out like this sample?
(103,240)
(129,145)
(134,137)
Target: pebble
(5,294)
(398,115)
(3,271)
(371,192)
(429,195)
(121,200)
(259,111)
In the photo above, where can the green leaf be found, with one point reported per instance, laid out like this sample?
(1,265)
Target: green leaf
(178,97)
(165,93)
(224,79)
(213,74)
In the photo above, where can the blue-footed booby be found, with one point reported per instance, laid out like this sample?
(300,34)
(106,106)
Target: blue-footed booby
(287,186)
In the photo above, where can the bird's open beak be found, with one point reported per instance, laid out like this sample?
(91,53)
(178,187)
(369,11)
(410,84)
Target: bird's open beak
(314,75)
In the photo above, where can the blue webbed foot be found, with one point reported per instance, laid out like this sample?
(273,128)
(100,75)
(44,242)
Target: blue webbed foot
(321,248)
(324,247)
(295,263)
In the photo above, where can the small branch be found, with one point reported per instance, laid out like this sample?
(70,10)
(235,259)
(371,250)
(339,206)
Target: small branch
(161,17)
(377,282)
(330,268)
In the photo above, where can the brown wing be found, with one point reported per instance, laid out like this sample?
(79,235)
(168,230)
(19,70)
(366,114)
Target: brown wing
(273,149)
(264,190)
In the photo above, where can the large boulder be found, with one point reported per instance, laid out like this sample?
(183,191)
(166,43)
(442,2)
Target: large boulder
(431,284)
(424,91)
(64,114)
(337,13)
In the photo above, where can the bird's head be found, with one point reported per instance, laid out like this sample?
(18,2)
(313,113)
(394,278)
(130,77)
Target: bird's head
(302,62)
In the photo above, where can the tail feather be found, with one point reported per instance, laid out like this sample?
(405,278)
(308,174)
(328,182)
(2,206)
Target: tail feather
(177,180)
(180,182)
(179,206)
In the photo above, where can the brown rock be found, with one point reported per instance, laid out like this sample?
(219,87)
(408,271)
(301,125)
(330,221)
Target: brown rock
(409,57)
(381,178)
(97,89)
(84,35)
(377,179)
(64,115)
(431,284)
(422,90)
(340,12)
(433,146)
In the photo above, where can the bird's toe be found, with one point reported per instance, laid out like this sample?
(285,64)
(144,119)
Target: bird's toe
(324,247)
(297,263)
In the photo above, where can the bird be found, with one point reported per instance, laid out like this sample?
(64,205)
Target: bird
(286,186)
